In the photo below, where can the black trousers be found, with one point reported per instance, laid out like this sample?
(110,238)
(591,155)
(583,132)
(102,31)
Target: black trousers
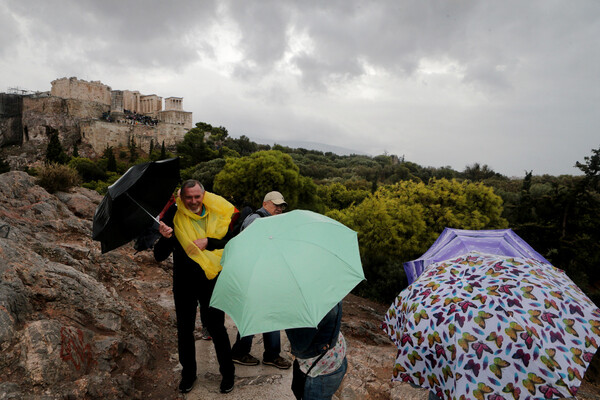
(190,288)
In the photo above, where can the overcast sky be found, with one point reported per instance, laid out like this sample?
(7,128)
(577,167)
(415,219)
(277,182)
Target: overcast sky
(511,84)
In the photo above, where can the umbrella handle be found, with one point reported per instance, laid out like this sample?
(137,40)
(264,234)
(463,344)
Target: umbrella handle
(139,205)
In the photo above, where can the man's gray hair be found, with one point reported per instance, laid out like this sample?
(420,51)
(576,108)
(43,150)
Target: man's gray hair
(189,184)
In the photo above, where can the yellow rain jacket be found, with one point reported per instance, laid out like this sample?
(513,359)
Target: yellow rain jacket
(213,224)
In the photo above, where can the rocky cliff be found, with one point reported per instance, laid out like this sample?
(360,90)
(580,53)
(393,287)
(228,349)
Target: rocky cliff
(76,324)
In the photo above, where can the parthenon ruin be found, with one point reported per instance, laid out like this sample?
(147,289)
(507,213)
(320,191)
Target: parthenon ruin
(123,101)
(92,116)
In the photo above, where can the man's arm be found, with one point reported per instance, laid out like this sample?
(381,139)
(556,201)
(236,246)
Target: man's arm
(213,243)
(220,243)
(164,246)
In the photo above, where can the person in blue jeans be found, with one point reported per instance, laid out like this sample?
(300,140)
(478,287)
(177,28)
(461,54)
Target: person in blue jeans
(273,204)
(431,396)
(320,352)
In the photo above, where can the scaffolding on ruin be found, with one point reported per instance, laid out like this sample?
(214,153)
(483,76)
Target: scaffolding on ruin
(18,90)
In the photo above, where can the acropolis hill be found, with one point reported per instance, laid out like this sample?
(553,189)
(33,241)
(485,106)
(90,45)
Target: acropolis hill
(91,115)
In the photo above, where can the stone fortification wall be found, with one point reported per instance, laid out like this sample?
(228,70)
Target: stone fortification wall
(73,88)
(182,118)
(11,106)
(101,134)
(41,116)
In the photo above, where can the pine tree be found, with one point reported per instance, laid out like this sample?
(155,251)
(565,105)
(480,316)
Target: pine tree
(111,164)
(163,152)
(55,152)
(132,150)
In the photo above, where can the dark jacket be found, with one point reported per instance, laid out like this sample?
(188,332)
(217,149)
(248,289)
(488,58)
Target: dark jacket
(164,246)
(310,342)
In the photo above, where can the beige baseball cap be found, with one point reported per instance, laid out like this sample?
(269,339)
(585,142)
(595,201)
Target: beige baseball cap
(275,197)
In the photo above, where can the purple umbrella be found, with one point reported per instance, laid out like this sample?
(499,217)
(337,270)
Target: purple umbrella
(454,242)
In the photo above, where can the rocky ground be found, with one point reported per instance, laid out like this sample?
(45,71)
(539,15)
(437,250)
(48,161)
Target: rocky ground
(78,324)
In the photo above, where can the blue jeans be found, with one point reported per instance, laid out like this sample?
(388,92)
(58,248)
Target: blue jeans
(432,395)
(272,342)
(323,387)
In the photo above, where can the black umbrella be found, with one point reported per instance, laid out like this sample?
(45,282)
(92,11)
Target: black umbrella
(133,202)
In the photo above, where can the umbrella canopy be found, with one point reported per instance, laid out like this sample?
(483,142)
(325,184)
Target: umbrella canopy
(133,202)
(287,271)
(493,327)
(454,242)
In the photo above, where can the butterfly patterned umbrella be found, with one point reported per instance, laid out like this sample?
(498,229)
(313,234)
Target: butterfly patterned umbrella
(493,327)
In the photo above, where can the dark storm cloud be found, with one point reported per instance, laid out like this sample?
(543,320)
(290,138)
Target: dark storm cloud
(143,34)
(492,41)
(390,35)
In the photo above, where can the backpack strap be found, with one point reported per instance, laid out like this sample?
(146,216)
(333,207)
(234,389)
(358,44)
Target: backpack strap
(262,213)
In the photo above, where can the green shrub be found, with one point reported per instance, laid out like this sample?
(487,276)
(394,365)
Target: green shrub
(87,169)
(102,186)
(57,177)
(99,186)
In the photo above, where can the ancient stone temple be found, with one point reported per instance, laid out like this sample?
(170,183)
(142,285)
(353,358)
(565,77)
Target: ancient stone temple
(123,101)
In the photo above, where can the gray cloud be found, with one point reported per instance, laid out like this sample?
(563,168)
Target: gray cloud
(146,34)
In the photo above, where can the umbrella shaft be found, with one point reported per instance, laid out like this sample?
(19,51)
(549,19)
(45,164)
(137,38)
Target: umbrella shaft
(139,205)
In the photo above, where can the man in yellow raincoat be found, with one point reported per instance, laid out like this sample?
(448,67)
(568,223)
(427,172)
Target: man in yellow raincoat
(195,230)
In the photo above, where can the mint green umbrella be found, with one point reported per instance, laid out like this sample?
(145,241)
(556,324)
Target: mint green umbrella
(287,271)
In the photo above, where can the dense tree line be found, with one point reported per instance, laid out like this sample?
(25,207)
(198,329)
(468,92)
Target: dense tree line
(397,207)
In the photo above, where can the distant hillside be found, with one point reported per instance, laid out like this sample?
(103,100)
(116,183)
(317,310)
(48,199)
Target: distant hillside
(295,144)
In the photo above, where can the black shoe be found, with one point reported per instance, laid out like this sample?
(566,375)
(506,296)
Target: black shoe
(246,359)
(186,384)
(227,384)
(205,335)
(278,362)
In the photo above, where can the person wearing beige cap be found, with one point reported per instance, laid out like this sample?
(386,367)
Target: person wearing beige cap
(273,204)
